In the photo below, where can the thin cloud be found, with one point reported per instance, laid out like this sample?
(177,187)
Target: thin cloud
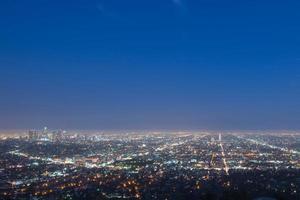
(106,12)
(177,2)
(181,4)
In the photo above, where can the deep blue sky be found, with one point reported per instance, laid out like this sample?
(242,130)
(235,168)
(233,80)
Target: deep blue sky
(150,64)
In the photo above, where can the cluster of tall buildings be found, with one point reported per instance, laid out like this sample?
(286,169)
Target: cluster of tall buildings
(45,135)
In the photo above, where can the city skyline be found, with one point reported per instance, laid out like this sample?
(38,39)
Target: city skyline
(48,164)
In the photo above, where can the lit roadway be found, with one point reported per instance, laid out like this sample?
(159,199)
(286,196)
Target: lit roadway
(224,159)
(270,146)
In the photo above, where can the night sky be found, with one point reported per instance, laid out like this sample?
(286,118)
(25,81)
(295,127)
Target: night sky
(150,64)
